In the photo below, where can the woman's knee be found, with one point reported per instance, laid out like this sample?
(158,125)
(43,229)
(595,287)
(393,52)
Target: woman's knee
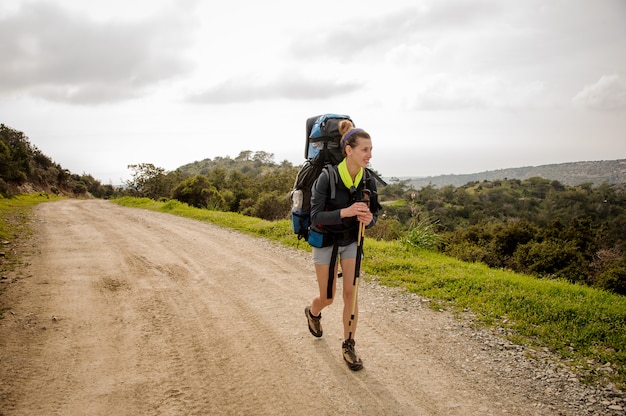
(327,302)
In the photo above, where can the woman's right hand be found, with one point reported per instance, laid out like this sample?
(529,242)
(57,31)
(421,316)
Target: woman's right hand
(354,210)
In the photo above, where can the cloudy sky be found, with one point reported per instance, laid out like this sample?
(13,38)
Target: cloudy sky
(443,86)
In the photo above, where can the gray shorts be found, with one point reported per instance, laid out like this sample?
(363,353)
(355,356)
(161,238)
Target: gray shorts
(322,255)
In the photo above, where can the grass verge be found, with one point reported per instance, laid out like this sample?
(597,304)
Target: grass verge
(15,224)
(584,325)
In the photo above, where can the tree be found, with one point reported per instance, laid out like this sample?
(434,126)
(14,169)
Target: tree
(395,189)
(241,187)
(263,158)
(199,192)
(23,163)
(148,181)
(244,155)
(15,155)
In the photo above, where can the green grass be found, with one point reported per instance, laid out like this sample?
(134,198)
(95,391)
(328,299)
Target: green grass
(14,224)
(274,230)
(576,321)
(15,213)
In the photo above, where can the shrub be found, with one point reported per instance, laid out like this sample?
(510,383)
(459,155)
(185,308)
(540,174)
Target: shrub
(613,279)
(386,228)
(270,206)
(198,192)
(551,258)
(422,234)
(468,251)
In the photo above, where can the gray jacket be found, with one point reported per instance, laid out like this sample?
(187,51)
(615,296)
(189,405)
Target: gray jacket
(325,211)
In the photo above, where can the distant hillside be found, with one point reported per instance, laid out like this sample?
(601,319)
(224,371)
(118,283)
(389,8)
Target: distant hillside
(574,173)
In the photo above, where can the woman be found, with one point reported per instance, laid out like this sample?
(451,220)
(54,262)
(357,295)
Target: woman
(338,218)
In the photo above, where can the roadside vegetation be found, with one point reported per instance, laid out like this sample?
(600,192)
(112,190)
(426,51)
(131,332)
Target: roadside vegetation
(15,225)
(25,169)
(535,226)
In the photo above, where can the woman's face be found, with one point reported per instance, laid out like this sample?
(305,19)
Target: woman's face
(361,153)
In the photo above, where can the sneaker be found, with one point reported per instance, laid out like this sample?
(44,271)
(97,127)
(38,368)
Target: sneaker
(315,326)
(349,355)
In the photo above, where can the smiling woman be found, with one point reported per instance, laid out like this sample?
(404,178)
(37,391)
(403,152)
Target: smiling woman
(339,215)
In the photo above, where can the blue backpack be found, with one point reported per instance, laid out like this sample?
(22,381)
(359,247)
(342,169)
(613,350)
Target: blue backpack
(322,148)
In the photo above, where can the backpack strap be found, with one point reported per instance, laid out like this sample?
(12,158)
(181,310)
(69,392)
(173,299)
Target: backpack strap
(332,179)
(331,271)
(376,177)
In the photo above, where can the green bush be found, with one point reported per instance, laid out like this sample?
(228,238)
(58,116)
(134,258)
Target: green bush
(199,192)
(613,279)
(469,251)
(549,258)
(270,206)
(422,234)
(387,229)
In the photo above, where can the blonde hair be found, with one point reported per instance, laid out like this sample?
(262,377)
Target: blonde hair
(350,134)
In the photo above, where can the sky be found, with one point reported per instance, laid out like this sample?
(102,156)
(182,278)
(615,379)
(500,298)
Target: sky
(442,86)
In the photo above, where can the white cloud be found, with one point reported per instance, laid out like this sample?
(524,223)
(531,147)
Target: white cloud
(363,37)
(607,94)
(291,87)
(454,92)
(54,54)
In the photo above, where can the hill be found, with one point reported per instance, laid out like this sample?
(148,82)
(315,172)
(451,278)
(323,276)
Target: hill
(573,173)
(25,169)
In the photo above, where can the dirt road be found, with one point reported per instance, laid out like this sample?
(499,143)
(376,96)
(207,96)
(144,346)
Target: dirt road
(122,311)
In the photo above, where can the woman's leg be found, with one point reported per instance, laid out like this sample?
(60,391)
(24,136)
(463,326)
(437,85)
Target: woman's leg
(348,266)
(321,259)
(321,301)
(347,270)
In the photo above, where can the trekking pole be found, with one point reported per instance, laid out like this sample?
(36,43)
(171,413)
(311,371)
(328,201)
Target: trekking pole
(357,266)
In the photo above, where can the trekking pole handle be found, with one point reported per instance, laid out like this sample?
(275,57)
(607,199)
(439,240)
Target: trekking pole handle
(366,196)
(366,199)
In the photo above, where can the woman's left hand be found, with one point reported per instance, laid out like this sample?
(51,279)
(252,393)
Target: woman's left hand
(365,216)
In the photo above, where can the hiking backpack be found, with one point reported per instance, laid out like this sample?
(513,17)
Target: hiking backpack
(322,148)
